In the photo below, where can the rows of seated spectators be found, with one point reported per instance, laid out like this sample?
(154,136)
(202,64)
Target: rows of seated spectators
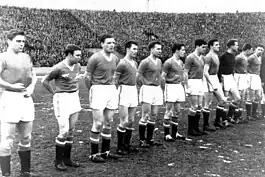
(50,30)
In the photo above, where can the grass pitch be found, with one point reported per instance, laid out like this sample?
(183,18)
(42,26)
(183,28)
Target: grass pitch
(234,152)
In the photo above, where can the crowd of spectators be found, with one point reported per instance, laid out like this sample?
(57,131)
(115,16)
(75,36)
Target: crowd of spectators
(49,30)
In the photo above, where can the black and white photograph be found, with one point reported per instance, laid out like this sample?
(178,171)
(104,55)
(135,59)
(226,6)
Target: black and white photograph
(132,88)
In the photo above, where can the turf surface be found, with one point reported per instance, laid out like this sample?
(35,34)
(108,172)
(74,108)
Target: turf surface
(234,152)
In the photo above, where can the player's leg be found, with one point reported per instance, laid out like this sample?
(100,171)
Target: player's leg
(121,129)
(251,101)
(175,118)
(206,112)
(157,100)
(192,129)
(262,102)
(7,138)
(150,127)
(238,100)
(129,130)
(255,103)
(97,124)
(170,94)
(24,146)
(60,141)
(257,100)
(229,86)
(60,104)
(73,118)
(248,104)
(146,113)
(69,142)
(167,119)
(129,100)
(242,104)
(198,114)
(106,135)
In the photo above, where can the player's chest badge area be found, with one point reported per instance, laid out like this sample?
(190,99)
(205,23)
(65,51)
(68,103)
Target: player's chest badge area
(69,75)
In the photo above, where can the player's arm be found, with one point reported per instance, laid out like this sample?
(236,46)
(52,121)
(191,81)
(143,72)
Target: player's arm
(118,72)
(90,68)
(220,70)
(262,71)
(139,75)
(46,82)
(207,75)
(166,68)
(206,70)
(250,60)
(18,87)
(187,66)
(79,75)
(31,87)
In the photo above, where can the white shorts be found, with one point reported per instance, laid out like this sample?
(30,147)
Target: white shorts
(241,81)
(128,96)
(174,93)
(103,96)
(151,94)
(229,82)
(195,87)
(254,82)
(65,104)
(14,107)
(216,84)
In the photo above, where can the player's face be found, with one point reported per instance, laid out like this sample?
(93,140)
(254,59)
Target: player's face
(133,50)
(249,52)
(259,51)
(157,50)
(235,47)
(216,47)
(182,52)
(76,56)
(17,43)
(202,49)
(108,45)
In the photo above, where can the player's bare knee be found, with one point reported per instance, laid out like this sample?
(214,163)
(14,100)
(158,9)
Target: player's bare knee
(24,143)
(166,122)
(145,117)
(98,126)
(129,124)
(192,112)
(199,108)
(177,112)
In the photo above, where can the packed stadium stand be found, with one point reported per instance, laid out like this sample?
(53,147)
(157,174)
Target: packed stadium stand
(49,30)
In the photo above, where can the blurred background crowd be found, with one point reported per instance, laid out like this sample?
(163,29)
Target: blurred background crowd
(49,31)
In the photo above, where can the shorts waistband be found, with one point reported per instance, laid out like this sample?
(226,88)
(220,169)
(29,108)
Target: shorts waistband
(66,91)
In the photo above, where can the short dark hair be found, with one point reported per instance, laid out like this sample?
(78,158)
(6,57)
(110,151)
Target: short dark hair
(153,43)
(246,47)
(260,45)
(130,43)
(14,32)
(200,42)
(231,42)
(211,42)
(70,48)
(104,36)
(176,46)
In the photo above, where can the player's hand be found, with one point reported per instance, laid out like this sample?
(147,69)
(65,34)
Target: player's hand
(18,87)
(80,76)
(214,88)
(29,91)
(187,91)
